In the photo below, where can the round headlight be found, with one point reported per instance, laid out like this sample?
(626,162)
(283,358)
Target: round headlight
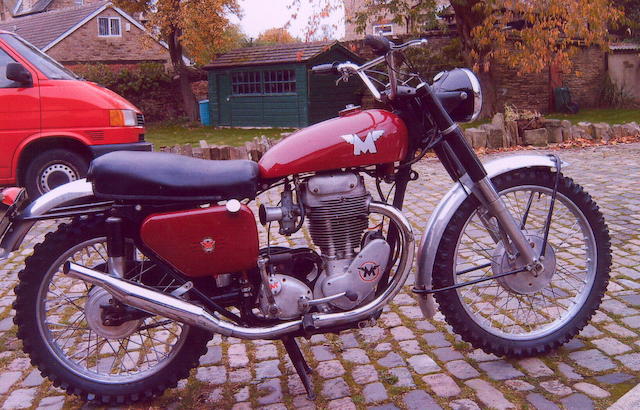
(477,93)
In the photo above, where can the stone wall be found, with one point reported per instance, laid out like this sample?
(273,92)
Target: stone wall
(586,76)
(528,91)
(84,45)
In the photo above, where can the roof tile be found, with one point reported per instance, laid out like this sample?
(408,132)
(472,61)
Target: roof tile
(272,54)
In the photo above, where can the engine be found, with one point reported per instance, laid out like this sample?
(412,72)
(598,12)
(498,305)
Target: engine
(336,209)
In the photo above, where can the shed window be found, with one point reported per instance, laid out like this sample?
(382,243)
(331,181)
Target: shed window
(108,26)
(263,82)
(279,82)
(246,82)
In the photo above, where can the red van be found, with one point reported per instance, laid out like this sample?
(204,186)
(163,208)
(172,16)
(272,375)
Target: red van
(52,123)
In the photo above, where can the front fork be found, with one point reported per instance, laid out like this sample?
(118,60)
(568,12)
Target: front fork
(459,159)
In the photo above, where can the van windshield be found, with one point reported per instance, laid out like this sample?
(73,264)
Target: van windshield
(45,64)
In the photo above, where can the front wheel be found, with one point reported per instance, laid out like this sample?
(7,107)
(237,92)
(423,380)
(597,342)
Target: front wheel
(524,314)
(62,328)
(53,168)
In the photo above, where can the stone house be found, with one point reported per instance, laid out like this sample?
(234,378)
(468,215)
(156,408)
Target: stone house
(379,25)
(82,31)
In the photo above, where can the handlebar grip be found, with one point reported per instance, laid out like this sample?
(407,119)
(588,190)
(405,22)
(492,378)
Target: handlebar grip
(379,44)
(325,68)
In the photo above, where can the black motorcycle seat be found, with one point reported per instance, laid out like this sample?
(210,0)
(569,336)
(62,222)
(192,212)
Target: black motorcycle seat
(158,176)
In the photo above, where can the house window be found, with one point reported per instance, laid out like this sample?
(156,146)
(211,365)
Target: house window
(279,82)
(246,82)
(383,29)
(109,26)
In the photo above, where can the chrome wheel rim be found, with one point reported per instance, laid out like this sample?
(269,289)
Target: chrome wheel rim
(508,314)
(64,327)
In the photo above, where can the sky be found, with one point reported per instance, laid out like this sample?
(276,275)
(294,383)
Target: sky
(260,15)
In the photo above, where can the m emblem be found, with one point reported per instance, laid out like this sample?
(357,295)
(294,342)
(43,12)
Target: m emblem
(208,245)
(368,145)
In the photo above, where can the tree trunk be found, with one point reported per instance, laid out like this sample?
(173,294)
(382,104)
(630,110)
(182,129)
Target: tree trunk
(467,17)
(489,94)
(188,98)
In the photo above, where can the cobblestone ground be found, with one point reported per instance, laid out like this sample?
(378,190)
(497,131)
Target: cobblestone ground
(406,361)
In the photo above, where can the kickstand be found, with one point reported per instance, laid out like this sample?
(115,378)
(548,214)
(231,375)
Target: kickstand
(300,364)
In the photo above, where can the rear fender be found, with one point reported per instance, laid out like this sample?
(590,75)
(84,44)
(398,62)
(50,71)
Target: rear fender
(447,207)
(63,195)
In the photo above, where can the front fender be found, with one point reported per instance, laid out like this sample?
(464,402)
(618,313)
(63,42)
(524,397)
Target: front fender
(447,207)
(60,196)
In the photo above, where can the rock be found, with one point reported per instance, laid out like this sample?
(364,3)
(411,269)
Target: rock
(539,402)
(335,388)
(602,132)
(495,135)
(391,360)
(419,399)
(593,360)
(498,120)
(355,355)
(404,377)
(461,369)
(268,369)
(489,395)
(554,130)
(423,364)
(20,399)
(592,390)
(213,374)
(477,137)
(374,392)
(631,129)
(330,369)
(538,137)
(511,137)
(442,385)
(500,370)
(587,129)
(364,374)
(322,353)
(271,391)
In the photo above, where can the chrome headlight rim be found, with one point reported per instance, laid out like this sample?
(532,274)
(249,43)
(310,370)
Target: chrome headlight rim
(477,93)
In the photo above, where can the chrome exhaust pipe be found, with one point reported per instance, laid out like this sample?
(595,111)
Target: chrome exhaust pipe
(162,304)
(158,303)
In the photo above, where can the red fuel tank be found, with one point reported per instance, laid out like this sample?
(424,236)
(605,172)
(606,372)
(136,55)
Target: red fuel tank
(204,241)
(356,139)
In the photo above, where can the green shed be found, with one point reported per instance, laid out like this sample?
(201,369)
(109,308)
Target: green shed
(272,86)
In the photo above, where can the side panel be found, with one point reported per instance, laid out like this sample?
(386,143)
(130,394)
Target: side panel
(204,242)
(362,138)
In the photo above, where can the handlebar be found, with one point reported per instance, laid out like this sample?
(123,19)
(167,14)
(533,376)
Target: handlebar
(379,44)
(325,69)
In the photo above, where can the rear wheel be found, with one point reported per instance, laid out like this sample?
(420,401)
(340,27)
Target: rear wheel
(60,322)
(525,314)
(53,168)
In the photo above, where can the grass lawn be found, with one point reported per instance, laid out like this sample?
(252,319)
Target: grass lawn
(610,116)
(172,134)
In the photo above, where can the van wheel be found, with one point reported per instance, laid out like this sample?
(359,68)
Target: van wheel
(53,168)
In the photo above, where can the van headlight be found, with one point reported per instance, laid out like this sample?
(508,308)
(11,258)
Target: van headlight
(122,118)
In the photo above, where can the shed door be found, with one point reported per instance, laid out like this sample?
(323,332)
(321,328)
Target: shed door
(224,99)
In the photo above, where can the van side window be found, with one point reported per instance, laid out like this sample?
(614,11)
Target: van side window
(4,60)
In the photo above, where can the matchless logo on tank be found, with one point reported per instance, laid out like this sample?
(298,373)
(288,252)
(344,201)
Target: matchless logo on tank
(208,245)
(366,146)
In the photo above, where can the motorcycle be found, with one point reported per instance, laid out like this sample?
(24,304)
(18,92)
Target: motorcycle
(162,250)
